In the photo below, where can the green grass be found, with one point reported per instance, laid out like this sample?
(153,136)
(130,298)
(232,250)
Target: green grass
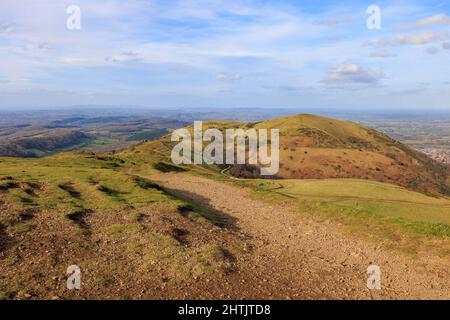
(146,184)
(97,196)
(135,217)
(370,213)
(74,180)
(71,181)
(367,202)
(105,282)
(85,182)
(20,228)
(124,229)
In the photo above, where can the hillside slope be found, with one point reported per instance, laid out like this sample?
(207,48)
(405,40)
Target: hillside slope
(313,147)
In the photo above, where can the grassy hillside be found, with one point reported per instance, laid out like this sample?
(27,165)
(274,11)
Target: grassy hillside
(127,233)
(315,147)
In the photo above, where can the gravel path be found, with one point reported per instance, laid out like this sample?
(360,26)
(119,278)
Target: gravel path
(295,258)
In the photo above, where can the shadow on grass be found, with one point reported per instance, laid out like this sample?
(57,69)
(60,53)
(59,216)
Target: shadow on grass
(195,204)
(110,191)
(78,217)
(167,167)
(68,187)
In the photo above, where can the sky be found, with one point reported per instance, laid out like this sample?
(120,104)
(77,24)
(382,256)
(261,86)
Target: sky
(225,54)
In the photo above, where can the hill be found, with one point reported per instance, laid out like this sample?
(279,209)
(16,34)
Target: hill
(42,142)
(314,147)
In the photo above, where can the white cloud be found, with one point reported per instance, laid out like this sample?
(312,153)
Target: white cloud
(4,29)
(74,60)
(432,51)
(446,45)
(440,19)
(229,77)
(127,56)
(44,46)
(292,88)
(353,73)
(13,79)
(420,38)
(382,54)
(333,22)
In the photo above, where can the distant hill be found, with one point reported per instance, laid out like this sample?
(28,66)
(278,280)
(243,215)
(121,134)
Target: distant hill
(42,144)
(97,134)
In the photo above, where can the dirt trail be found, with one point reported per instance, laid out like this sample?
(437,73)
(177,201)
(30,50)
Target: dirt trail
(294,258)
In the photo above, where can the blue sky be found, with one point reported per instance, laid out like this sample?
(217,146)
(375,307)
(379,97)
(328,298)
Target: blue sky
(250,53)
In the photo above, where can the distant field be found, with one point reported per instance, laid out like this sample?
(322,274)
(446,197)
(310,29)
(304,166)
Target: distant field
(89,133)
(418,133)
(431,136)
